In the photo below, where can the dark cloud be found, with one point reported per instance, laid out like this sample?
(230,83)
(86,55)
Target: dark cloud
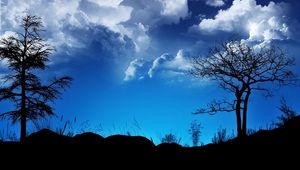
(98,43)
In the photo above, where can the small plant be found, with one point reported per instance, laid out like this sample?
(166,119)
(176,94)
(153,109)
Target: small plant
(86,126)
(62,126)
(67,128)
(220,136)
(250,131)
(287,113)
(195,131)
(170,138)
(8,135)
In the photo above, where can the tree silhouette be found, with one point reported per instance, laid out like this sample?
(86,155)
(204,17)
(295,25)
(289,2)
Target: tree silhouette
(241,69)
(25,54)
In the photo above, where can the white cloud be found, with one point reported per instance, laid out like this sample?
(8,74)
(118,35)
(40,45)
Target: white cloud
(8,34)
(107,13)
(165,65)
(177,8)
(158,62)
(170,65)
(128,17)
(108,3)
(215,3)
(157,12)
(59,14)
(139,33)
(262,23)
(133,70)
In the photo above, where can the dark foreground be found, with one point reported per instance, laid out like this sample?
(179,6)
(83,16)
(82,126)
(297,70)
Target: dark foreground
(277,146)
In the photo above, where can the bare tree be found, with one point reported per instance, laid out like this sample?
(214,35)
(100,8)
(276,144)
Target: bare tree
(25,54)
(241,69)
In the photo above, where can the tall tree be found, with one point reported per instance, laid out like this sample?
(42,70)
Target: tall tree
(241,70)
(24,54)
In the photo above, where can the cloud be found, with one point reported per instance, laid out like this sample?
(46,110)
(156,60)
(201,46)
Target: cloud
(175,8)
(215,3)
(110,3)
(106,13)
(59,14)
(135,70)
(100,43)
(7,34)
(158,62)
(261,23)
(155,12)
(166,66)
(170,65)
(127,17)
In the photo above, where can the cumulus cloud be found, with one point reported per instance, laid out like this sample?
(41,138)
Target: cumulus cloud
(59,14)
(127,17)
(215,3)
(262,23)
(155,12)
(175,8)
(170,65)
(158,62)
(99,42)
(166,65)
(107,13)
(135,69)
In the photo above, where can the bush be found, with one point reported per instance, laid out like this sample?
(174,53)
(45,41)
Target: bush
(170,138)
(221,136)
(287,113)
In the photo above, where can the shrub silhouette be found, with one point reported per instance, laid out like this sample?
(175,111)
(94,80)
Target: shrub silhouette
(220,136)
(287,113)
(170,138)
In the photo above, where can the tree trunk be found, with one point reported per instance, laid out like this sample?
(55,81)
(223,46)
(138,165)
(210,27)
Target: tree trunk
(244,129)
(238,117)
(23,108)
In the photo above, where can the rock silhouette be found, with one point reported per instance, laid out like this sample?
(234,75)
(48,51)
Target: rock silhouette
(276,144)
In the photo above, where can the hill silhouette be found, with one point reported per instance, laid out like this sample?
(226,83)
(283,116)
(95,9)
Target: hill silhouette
(276,144)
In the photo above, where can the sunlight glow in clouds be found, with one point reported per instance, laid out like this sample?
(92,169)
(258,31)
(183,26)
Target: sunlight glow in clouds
(263,23)
(253,30)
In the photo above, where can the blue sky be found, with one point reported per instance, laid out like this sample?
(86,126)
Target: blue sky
(129,58)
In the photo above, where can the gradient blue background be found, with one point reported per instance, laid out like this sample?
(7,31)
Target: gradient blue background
(160,105)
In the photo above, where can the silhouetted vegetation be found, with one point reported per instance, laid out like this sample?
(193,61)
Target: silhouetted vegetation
(195,131)
(26,53)
(61,126)
(237,67)
(220,137)
(276,144)
(241,69)
(6,134)
(287,113)
(170,138)
(251,131)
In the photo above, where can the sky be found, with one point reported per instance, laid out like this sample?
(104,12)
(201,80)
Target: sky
(129,60)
